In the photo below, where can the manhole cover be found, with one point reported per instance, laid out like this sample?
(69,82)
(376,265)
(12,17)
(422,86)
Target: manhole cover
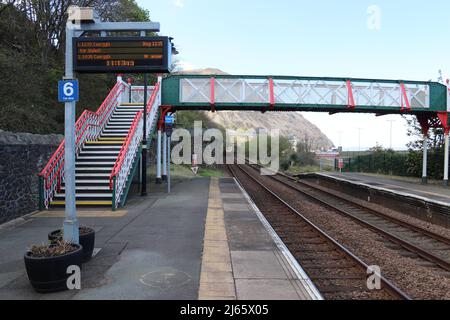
(165,278)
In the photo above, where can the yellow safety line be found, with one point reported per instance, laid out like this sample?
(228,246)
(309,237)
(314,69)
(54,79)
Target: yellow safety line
(216,276)
(83,203)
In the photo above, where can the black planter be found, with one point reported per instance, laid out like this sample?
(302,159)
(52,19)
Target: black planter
(87,241)
(49,274)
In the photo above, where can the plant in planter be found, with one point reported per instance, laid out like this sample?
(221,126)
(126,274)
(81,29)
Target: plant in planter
(47,265)
(87,240)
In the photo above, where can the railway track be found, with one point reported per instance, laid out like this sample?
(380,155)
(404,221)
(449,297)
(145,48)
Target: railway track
(337,272)
(428,245)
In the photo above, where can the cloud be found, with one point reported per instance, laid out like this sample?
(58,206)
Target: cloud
(183,65)
(179,3)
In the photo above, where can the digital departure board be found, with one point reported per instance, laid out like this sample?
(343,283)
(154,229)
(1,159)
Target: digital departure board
(127,55)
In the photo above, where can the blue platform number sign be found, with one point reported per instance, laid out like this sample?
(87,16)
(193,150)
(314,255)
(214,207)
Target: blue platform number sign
(169,120)
(67,90)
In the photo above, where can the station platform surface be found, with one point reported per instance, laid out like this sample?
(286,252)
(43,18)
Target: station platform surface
(203,241)
(426,192)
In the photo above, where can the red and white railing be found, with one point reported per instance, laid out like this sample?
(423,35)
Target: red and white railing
(120,173)
(88,127)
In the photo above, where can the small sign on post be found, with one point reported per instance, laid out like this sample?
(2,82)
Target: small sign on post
(194,166)
(341,164)
(68,90)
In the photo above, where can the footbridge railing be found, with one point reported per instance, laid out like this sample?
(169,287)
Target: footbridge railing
(130,153)
(278,93)
(88,127)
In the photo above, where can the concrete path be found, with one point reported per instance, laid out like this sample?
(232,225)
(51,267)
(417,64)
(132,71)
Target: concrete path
(150,250)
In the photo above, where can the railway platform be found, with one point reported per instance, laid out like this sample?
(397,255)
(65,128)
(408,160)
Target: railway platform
(428,192)
(205,240)
(427,202)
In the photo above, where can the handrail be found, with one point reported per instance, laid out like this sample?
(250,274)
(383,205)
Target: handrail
(127,153)
(88,127)
(124,149)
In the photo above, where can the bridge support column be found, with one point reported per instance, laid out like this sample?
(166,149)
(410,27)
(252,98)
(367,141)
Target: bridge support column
(158,157)
(425,159)
(446,158)
(164,157)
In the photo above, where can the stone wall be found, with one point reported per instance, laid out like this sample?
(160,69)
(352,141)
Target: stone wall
(22,157)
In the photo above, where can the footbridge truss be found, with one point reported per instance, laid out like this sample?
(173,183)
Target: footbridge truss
(278,93)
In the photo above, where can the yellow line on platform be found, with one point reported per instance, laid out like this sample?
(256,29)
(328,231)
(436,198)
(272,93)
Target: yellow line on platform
(216,277)
(83,214)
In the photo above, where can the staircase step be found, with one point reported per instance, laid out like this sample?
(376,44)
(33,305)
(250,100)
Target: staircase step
(126,104)
(124,116)
(114,120)
(90,182)
(94,163)
(103,148)
(86,195)
(120,110)
(114,139)
(118,143)
(93,169)
(113,127)
(114,130)
(101,152)
(124,113)
(89,188)
(111,135)
(83,203)
(97,158)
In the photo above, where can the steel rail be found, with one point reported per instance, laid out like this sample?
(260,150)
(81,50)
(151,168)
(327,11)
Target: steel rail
(389,286)
(425,254)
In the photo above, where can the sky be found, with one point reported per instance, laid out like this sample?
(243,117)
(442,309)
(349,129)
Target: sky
(401,39)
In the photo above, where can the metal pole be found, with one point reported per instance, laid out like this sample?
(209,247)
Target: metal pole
(446,156)
(71,224)
(168,164)
(144,143)
(425,159)
(129,91)
(164,157)
(158,158)
(390,134)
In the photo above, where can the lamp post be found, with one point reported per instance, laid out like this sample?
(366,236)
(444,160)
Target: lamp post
(390,133)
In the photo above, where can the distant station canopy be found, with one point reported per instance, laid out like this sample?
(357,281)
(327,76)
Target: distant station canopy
(124,54)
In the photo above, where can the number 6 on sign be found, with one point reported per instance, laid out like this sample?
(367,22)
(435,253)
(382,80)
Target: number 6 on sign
(67,90)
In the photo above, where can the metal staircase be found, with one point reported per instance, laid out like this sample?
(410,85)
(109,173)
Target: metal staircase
(96,159)
(108,150)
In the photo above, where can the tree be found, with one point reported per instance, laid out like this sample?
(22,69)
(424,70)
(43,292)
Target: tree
(32,38)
